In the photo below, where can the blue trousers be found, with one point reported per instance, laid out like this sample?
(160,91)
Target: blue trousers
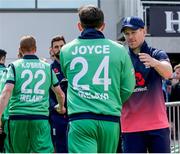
(59,128)
(153,141)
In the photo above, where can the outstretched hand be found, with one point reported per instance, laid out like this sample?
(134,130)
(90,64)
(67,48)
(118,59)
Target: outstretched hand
(147,60)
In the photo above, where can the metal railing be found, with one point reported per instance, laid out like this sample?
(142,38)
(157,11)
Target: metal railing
(173,112)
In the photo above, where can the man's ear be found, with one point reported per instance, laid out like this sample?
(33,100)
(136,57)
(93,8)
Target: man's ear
(145,31)
(80,27)
(2,60)
(34,51)
(102,27)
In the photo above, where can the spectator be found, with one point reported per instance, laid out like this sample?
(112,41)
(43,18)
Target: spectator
(174,97)
(175,90)
(100,78)
(166,87)
(144,122)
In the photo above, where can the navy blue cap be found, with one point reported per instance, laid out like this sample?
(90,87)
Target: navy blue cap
(133,23)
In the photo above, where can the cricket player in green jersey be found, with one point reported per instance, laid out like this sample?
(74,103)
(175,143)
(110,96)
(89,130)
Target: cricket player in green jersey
(5,115)
(28,82)
(2,62)
(2,72)
(100,79)
(3,68)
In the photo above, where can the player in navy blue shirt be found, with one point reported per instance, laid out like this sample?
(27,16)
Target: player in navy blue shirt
(144,122)
(58,121)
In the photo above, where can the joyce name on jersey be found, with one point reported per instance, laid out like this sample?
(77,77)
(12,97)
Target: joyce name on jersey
(98,49)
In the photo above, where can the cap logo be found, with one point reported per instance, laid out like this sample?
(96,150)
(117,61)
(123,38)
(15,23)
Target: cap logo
(128,19)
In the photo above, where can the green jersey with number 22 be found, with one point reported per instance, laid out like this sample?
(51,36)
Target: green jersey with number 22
(32,79)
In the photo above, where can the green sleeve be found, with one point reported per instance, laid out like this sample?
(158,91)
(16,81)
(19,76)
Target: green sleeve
(55,81)
(127,79)
(3,80)
(11,74)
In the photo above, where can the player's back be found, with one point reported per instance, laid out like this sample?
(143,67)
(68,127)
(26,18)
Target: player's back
(94,69)
(32,79)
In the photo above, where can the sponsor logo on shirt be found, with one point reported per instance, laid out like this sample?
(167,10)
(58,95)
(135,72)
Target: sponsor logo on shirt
(140,83)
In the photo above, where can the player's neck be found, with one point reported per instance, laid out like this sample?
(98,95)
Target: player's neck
(29,52)
(137,50)
(56,59)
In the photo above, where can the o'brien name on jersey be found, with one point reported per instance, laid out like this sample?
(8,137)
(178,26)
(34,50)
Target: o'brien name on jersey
(99,72)
(98,49)
(33,65)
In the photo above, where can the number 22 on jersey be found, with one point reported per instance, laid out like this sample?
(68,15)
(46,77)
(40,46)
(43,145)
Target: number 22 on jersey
(36,90)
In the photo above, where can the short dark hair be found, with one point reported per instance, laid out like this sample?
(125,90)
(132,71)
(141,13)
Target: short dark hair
(27,44)
(91,16)
(57,38)
(2,53)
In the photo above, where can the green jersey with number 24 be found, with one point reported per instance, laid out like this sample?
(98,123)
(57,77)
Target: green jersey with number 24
(100,76)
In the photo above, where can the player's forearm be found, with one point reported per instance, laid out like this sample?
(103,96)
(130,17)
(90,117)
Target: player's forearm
(125,95)
(164,68)
(127,88)
(59,95)
(60,98)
